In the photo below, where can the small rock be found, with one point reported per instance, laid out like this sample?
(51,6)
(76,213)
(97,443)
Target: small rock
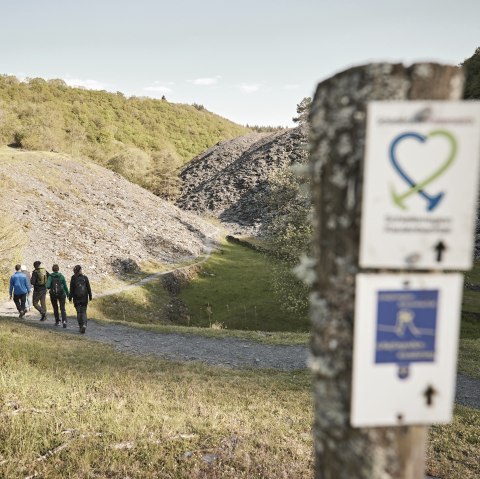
(209,458)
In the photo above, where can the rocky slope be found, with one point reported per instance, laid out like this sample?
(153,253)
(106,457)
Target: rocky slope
(73,211)
(229,180)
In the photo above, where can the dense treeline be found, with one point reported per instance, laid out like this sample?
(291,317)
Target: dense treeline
(265,129)
(144,139)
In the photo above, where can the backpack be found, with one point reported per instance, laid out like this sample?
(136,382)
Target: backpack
(41,277)
(56,288)
(80,287)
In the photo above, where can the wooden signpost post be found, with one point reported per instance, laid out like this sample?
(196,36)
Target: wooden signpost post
(410,227)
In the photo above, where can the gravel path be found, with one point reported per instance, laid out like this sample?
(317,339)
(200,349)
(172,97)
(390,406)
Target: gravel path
(226,352)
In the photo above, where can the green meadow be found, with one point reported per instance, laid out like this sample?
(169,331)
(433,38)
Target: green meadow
(234,291)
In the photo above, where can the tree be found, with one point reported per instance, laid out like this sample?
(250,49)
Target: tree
(132,163)
(289,234)
(303,109)
(162,179)
(471,67)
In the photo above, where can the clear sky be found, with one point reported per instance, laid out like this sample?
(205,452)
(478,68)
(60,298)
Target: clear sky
(250,61)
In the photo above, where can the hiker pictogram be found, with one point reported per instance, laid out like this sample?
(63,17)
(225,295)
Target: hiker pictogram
(406,326)
(418,187)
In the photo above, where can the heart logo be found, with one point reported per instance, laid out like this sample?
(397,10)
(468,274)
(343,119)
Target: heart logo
(432,201)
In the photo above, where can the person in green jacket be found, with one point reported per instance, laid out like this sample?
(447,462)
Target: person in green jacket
(57,286)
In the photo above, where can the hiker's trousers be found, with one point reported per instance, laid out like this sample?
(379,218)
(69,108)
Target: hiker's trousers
(81,308)
(40,297)
(56,302)
(19,300)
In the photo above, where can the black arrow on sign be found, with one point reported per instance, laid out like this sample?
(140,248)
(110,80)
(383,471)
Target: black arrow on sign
(429,393)
(440,247)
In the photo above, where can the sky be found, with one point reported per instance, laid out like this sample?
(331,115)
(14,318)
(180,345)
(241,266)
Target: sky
(249,61)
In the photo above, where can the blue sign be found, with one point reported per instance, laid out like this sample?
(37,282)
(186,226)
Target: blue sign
(406,327)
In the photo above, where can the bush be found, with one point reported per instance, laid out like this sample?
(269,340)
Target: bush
(132,163)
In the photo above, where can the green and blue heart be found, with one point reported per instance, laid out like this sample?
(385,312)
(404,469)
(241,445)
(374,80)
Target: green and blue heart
(432,200)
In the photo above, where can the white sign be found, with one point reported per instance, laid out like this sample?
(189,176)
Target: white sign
(420,185)
(405,348)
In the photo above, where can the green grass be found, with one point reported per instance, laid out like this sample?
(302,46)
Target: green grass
(471,299)
(473,276)
(234,291)
(469,350)
(77,409)
(454,449)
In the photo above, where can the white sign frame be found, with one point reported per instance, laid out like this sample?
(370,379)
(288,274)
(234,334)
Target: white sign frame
(379,396)
(405,225)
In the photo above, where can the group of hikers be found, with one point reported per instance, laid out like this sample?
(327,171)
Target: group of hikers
(40,281)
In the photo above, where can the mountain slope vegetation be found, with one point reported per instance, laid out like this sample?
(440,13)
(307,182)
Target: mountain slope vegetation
(144,139)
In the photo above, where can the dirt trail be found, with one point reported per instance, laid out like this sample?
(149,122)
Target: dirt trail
(226,352)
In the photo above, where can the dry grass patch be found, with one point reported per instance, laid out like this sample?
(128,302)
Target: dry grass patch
(73,409)
(144,304)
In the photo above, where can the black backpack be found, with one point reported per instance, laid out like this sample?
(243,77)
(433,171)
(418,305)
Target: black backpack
(80,287)
(56,288)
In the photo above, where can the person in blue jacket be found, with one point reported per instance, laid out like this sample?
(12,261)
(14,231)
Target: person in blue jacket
(20,287)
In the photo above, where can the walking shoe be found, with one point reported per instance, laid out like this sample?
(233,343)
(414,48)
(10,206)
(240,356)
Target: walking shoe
(21,314)
(43,317)
(57,323)
(25,312)
(64,324)
(83,329)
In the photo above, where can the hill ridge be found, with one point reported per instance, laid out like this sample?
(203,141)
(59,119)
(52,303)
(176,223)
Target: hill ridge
(230,180)
(154,136)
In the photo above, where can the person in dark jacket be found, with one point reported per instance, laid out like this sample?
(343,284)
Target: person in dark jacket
(57,286)
(39,281)
(80,292)
(19,286)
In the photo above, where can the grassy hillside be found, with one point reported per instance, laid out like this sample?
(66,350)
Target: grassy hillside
(137,137)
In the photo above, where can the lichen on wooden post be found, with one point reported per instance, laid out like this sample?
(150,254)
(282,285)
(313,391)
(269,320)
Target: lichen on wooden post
(337,143)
